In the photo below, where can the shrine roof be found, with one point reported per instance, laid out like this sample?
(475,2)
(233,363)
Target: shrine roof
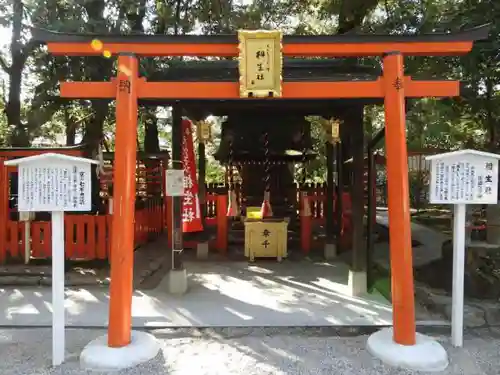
(41,149)
(294,69)
(46,36)
(20,152)
(246,157)
(50,156)
(274,108)
(461,153)
(141,155)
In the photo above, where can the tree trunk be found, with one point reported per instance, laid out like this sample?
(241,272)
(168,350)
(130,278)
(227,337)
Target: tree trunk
(151,140)
(151,145)
(490,123)
(70,128)
(19,136)
(92,139)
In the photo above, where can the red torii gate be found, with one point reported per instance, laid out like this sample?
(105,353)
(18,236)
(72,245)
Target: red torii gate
(393,86)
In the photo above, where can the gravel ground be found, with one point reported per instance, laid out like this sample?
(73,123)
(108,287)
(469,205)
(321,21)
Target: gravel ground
(240,351)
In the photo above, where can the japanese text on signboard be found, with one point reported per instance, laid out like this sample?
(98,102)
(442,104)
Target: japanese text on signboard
(61,187)
(462,181)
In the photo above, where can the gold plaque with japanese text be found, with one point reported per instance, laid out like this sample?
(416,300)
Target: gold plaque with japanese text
(204,131)
(335,130)
(260,63)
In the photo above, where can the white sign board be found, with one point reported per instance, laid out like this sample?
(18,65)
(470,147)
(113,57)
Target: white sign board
(174,183)
(58,186)
(461,178)
(464,177)
(55,183)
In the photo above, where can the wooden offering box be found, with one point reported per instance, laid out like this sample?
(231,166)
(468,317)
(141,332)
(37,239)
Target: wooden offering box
(266,238)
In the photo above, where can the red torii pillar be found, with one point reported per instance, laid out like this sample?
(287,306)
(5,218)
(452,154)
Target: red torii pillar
(401,252)
(122,240)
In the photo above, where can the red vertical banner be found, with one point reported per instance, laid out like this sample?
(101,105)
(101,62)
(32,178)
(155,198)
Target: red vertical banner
(191,212)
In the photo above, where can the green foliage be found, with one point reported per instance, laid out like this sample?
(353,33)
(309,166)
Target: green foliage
(4,129)
(472,121)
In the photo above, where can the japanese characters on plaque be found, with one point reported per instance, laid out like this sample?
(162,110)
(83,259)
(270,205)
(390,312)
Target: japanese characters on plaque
(464,179)
(260,63)
(266,235)
(61,186)
(204,131)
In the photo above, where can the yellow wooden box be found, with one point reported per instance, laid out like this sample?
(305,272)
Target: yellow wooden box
(266,238)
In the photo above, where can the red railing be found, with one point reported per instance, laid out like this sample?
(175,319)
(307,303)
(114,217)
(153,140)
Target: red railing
(86,236)
(149,178)
(216,217)
(149,220)
(316,217)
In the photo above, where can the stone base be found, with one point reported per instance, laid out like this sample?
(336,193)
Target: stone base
(330,251)
(177,281)
(202,251)
(98,356)
(426,355)
(357,283)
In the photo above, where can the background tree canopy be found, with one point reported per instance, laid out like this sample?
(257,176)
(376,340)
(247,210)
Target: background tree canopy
(33,114)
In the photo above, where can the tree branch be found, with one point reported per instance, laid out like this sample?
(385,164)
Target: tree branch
(177,16)
(29,48)
(4,65)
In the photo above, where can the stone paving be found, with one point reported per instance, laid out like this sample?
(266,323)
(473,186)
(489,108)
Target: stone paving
(477,313)
(147,261)
(243,352)
(232,294)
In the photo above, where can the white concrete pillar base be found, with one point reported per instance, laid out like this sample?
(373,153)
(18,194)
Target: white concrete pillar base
(330,251)
(426,355)
(98,356)
(202,251)
(177,281)
(357,282)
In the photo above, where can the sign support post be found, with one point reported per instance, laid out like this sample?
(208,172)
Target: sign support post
(58,318)
(457,307)
(174,187)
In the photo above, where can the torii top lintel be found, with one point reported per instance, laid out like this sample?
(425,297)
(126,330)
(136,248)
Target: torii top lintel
(293,45)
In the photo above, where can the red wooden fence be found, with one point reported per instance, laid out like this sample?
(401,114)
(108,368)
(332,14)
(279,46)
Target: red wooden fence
(86,236)
(316,218)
